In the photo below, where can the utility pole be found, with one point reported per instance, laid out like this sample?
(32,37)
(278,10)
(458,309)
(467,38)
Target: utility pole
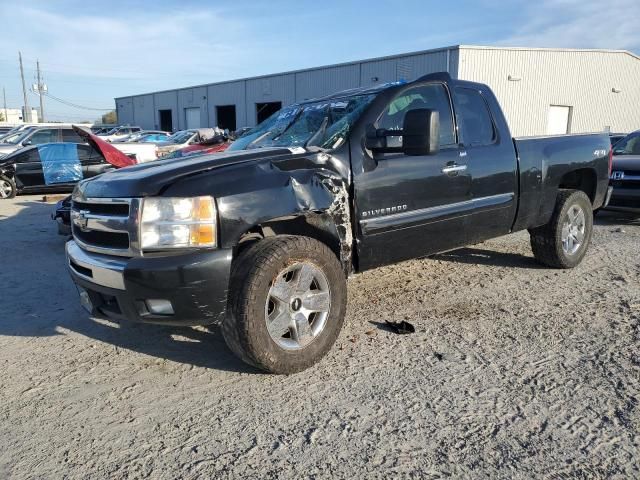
(27,111)
(41,90)
(4,97)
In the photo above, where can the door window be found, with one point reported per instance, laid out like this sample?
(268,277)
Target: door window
(68,135)
(432,96)
(628,146)
(474,118)
(46,135)
(28,156)
(88,156)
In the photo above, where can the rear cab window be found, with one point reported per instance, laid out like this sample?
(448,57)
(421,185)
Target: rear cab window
(474,118)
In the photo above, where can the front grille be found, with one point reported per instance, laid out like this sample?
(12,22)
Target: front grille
(115,240)
(106,225)
(118,209)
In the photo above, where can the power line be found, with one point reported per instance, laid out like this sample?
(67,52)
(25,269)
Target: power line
(74,105)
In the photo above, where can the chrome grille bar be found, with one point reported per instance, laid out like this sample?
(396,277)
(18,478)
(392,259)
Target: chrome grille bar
(108,233)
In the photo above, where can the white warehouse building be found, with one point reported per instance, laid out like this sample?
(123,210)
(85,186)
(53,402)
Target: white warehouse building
(541,90)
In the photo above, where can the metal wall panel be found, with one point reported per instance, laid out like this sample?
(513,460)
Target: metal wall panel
(318,83)
(581,79)
(143,112)
(231,93)
(192,98)
(166,101)
(275,88)
(124,110)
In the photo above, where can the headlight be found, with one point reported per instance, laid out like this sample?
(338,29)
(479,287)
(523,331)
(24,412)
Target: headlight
(178,223)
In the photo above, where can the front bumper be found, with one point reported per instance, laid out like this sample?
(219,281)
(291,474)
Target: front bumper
(624,198)
(196,284)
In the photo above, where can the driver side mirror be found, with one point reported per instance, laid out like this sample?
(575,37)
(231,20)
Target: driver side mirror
(26,143)
(420,134)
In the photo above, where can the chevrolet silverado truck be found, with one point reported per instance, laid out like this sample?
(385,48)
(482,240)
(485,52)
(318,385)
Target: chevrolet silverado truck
(262,238)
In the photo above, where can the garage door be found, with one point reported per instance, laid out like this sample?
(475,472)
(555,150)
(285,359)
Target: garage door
(558,120)
(192,116)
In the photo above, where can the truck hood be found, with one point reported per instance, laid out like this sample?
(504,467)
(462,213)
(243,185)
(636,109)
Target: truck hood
(149,179)
(8,148)
(110,153)
(626,163)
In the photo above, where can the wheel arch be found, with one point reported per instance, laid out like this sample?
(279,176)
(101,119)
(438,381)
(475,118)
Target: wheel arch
(320,226)
(583,179)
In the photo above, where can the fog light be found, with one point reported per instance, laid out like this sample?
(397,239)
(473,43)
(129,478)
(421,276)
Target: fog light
(159,307)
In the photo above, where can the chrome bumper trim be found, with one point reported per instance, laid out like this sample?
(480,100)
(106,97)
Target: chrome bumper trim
(607,198)
(106,271)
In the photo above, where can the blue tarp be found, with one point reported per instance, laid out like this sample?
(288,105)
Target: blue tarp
(60,163)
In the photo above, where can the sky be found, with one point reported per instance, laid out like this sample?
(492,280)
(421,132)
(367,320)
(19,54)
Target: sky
(91,52)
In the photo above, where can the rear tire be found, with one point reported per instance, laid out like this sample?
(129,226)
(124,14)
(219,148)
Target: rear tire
(7,187)
(275,321)
(563,242)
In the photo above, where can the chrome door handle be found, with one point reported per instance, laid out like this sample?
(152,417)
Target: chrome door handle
(454,168)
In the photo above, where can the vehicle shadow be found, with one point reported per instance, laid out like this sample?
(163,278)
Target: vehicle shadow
(38,298)
(480,256)
(612,217)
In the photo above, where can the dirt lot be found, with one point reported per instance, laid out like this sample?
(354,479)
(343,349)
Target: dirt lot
(515,371)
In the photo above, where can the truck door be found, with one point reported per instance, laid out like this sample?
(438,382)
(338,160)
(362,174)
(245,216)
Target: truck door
(411,206)
(491,163)
(29,169)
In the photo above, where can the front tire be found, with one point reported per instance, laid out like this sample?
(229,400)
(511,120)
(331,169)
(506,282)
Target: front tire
(287,302)
(563,242)
(7,187)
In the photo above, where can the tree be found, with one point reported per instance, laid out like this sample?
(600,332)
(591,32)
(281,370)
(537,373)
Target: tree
(110,118)
(2,119)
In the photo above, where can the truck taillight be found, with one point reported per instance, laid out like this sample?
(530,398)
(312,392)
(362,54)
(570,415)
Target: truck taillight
(610,160)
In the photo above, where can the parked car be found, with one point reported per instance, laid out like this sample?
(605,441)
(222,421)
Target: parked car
(142,152)
(241,131)
(616,137)
(51,167)
(102,129)
(111,155)
(185,138)
(144,136)
(119,132)
(625,175)
(217,144)
(264,235)
(37,136)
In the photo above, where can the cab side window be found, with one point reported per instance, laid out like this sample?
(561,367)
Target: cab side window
(434,97)
(46,135)
(474,118)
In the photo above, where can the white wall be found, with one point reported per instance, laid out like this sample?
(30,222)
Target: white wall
(581,79)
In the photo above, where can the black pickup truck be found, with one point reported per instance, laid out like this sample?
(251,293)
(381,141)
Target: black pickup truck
(261,238)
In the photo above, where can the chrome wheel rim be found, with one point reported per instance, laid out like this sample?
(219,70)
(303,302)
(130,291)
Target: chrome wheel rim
(297,306)
(573,230)
(5,189)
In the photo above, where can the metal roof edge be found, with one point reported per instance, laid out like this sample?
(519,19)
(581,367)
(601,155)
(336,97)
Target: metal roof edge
(292,72)
(548,49)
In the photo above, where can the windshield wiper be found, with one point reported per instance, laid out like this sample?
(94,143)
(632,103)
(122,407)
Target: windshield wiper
(318,133)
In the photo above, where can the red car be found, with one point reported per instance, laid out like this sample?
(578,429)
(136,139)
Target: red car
(219,143)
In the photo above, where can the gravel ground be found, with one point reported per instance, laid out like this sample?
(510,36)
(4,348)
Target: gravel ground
(515,371)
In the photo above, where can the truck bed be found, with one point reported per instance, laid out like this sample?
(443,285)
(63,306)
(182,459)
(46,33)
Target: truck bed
(547,163)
